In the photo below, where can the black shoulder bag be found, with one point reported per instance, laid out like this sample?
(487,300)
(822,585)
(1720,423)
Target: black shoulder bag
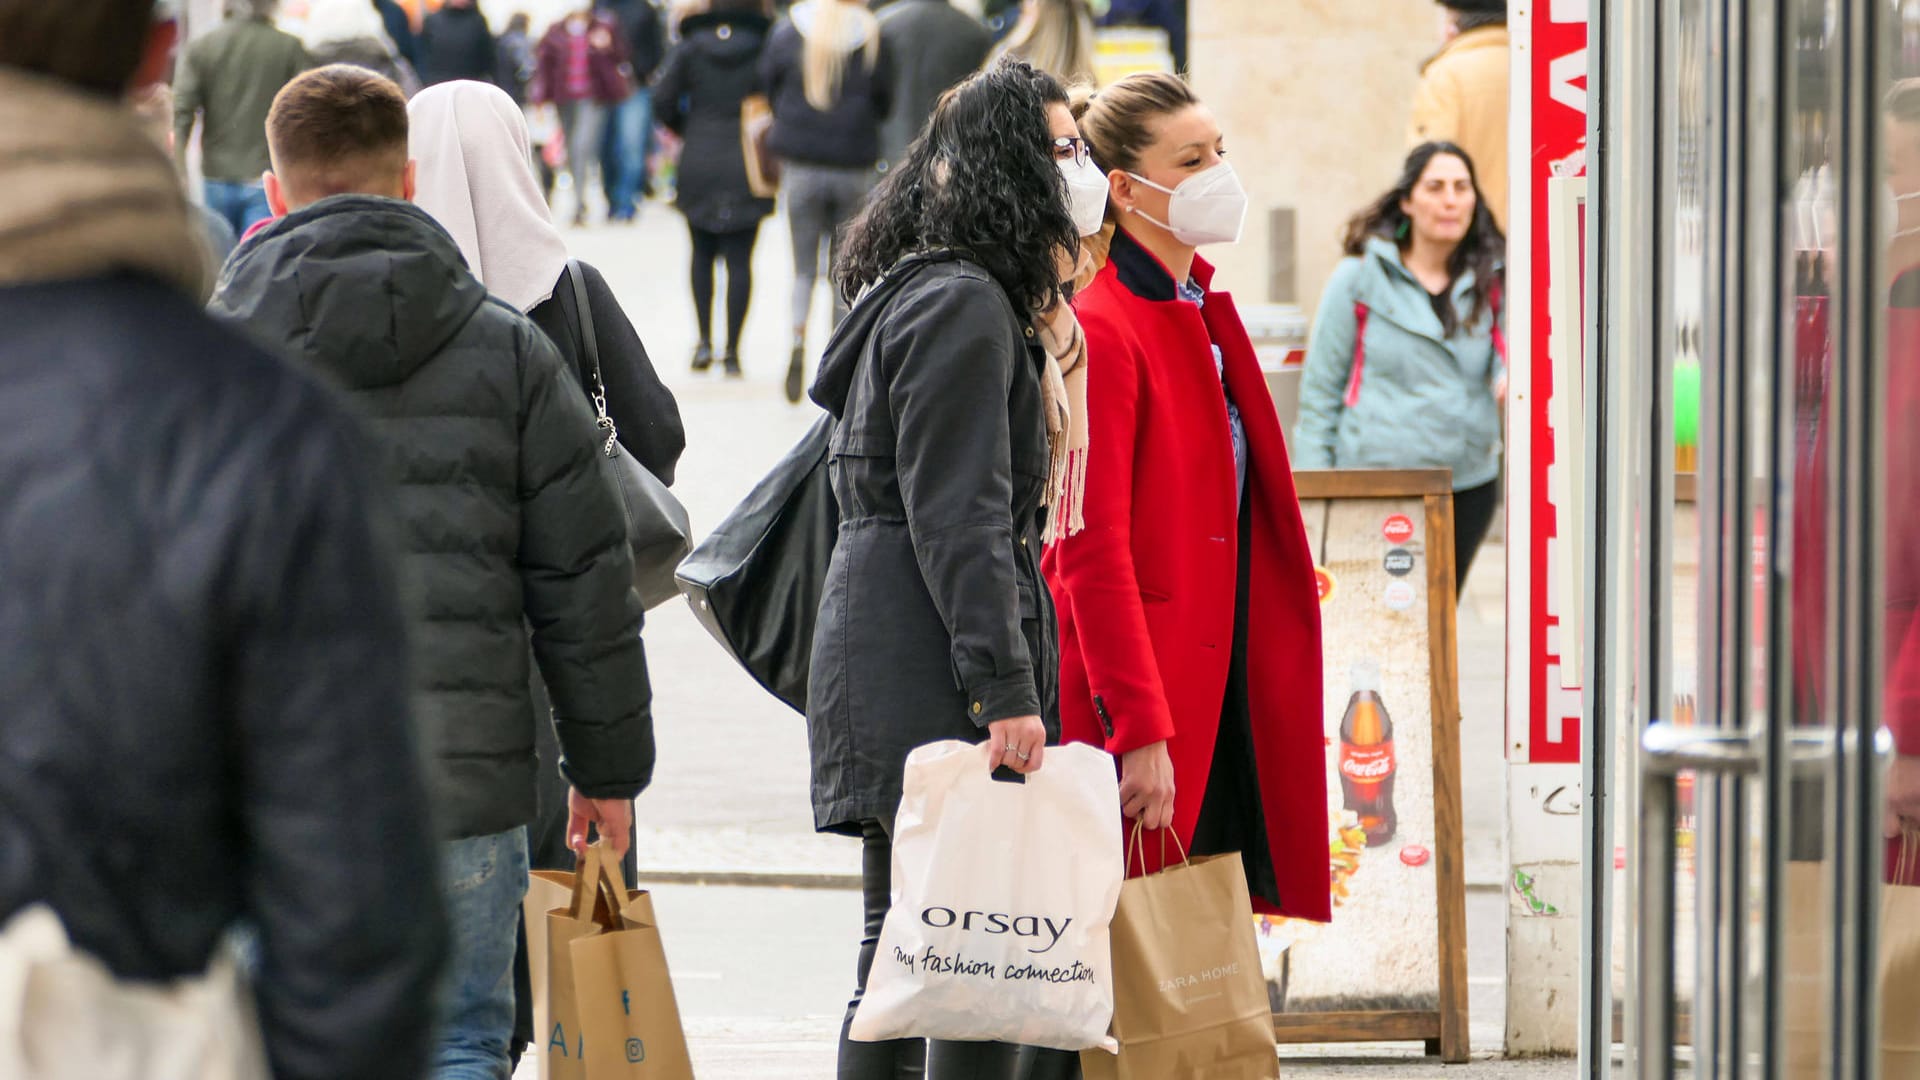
(658,530)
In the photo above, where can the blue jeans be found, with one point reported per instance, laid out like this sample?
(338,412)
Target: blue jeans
(484,879)
(623,152)
(241,205)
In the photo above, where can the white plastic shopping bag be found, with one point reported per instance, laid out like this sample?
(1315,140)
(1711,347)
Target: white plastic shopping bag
(64,1016)
(1002,896)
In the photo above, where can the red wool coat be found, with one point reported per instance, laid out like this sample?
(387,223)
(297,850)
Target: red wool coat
(1146,592)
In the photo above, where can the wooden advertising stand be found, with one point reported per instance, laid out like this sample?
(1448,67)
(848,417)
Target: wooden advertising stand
(1405,977)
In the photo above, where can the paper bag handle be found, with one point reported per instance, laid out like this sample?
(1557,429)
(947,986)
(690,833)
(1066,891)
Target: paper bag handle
(597,888)
(1909,861)
(1136,841)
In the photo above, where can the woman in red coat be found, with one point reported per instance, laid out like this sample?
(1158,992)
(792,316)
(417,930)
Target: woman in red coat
(1189,620)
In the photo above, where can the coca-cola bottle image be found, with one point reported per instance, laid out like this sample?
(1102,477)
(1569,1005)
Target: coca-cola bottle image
(1366,756)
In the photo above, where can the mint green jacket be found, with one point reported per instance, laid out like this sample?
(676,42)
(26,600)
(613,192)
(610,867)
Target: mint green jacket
(1425,400)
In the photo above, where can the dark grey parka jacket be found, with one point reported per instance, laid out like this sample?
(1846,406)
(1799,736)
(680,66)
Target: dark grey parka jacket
(508,520)
(935,620)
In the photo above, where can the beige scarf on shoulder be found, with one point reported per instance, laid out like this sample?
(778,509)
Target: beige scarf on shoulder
(88,192)
(1065,391)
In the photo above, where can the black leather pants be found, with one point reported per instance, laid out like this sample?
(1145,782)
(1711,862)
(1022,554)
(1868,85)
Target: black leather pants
(919,1059)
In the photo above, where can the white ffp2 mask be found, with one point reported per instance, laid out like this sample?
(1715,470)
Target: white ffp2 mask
(1086,195)
(1209,207)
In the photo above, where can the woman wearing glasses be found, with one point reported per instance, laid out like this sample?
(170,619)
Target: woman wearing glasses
(1189,618)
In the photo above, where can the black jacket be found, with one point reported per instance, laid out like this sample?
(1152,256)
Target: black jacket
(455,43)
(400,29)
(698,97)
(204,676)
(643,410)
(646,34)
(508,517)
(848,135)
(935,620)
(931,46)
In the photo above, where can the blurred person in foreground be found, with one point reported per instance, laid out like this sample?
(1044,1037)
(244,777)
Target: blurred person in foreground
(707,76)
(581,70)
(1407,367)
(226,82)
(629,129)
(828,78)
(204,663)
(509,521)
(1462,96)
(933,45)
(456,43)
(1055,36)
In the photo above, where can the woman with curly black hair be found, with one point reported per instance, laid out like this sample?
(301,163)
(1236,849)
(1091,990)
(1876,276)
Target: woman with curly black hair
(935,624)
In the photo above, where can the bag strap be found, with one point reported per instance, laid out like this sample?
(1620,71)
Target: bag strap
(1499,335)
(590,344)
(1359,353)
(1136,843)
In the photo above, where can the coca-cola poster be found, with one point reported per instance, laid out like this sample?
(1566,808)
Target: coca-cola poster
(1382,598)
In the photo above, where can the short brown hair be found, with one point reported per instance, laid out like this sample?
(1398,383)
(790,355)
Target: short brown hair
(1117,121)
(1903,101)
(94,44)
(337,129)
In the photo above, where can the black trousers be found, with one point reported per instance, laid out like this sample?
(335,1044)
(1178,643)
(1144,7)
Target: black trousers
(736,249)
(1472,517)
(902,1059)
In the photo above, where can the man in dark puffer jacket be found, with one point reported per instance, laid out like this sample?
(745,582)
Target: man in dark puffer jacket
(510,519)
(201,646)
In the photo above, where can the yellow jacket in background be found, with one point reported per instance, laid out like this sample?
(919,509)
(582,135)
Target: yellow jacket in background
(1462,98)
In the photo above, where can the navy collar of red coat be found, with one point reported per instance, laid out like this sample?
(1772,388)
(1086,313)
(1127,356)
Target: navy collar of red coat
(1145,276)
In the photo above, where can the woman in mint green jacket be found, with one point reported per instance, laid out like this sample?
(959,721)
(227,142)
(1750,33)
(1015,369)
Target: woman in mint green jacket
(1407,366)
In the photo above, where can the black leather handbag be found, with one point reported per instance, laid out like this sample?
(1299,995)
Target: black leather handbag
(658,530)
(756,582)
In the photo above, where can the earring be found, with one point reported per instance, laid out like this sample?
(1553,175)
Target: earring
(1401,232)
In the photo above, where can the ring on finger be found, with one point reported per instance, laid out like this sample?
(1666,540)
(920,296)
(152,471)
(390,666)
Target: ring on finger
(1021,755)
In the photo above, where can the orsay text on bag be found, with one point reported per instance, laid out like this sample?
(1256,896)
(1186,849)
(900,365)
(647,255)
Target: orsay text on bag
(940,918)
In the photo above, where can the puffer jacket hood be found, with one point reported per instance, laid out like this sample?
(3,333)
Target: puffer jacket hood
(834,381)
(357,262)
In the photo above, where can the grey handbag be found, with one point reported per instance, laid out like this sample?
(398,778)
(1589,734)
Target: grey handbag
(658,530)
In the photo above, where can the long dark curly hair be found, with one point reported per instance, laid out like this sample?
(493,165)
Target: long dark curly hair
(1481,250)
(980,180)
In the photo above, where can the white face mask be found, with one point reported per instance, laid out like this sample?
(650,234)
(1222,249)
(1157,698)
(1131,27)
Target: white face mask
(1890,213)
(1209,207)
(1086,195)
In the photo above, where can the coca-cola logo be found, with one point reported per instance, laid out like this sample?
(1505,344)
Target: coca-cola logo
(1398,529)
(1366,764)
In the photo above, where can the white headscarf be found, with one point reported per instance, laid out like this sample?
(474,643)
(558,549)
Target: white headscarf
(476,179)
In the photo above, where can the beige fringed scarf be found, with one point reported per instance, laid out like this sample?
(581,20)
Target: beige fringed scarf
(88,192)
(1065,390)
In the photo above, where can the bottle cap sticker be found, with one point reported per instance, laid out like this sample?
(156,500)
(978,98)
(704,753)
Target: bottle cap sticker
(1398,529)
(1399,562)
(1400,595)
(1415,855)
(1323,579)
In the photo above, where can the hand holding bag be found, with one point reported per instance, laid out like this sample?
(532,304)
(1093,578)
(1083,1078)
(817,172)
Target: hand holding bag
(1002,893)
(658,530)
(64,1015)
(756,146)
(612,1011)
(1190,998)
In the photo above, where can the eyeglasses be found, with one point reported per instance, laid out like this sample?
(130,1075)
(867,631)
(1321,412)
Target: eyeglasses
(1070,148)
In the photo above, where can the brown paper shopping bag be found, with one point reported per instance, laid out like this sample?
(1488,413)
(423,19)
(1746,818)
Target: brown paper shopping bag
(1805,980)
(546,890)
(1189,997)
(612,1011)
(1900,964)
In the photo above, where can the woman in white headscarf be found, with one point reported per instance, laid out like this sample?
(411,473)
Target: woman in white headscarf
(352,32)
(475,176)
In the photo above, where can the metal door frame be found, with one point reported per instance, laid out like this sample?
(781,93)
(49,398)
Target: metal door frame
(1745,737)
